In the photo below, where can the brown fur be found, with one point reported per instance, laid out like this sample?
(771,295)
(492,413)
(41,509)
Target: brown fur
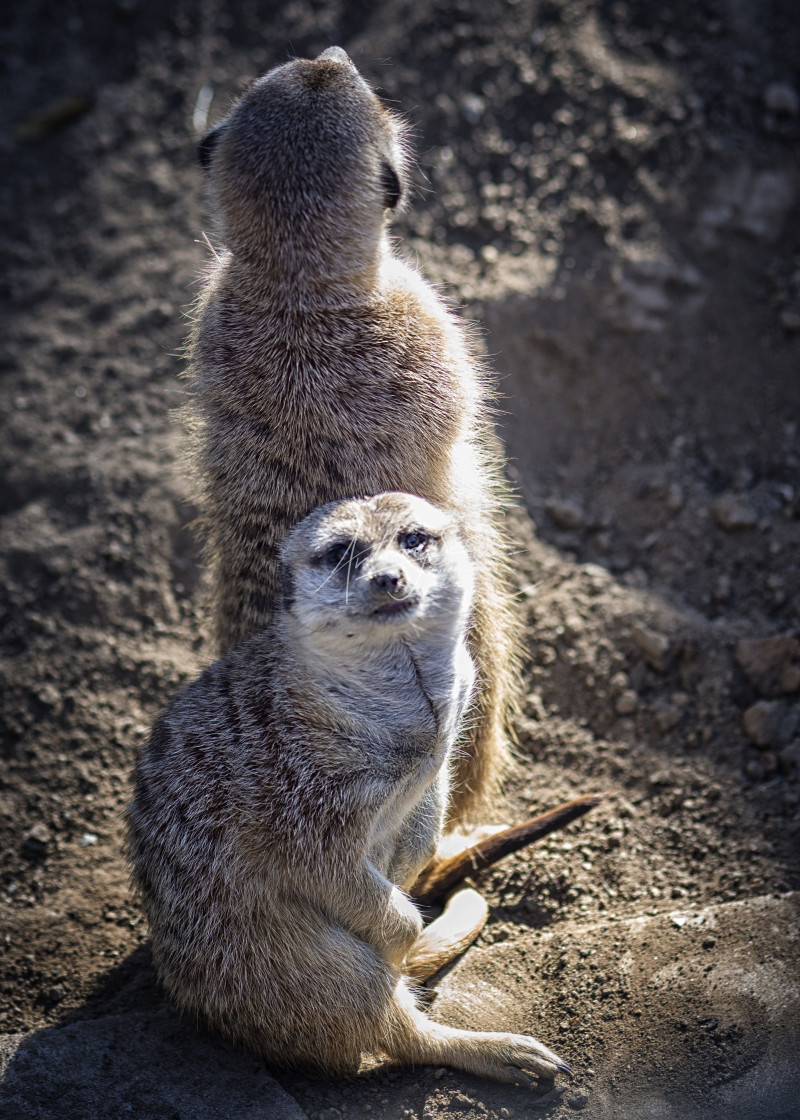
(323,367)
(287,795)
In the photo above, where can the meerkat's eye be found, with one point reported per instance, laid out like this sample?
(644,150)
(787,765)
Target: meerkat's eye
(414,541)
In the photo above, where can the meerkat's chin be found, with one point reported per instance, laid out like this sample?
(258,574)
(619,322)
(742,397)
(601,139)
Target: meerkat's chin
(395,608)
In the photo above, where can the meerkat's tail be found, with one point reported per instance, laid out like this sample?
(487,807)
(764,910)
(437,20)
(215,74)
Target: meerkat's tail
(448,935)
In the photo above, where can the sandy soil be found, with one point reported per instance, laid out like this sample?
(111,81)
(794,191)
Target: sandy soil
(612,190)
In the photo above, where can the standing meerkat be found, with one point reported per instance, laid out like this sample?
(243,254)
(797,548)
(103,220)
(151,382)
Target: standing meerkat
(287,796)
(323,367)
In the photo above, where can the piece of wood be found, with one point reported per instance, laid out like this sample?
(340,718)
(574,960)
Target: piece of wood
(437,878)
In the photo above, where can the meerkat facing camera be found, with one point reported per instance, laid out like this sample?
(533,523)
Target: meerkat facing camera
(289,794)
(324,367)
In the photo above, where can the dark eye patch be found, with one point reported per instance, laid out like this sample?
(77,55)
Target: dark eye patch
(341,553)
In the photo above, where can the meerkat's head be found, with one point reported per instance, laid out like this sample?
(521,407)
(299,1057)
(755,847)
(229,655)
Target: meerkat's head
(308,161)
(371,571)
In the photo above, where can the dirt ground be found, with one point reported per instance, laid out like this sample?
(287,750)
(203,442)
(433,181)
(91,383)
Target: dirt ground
(613,191)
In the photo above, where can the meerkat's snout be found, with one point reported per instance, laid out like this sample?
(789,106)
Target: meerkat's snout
(389,581)
(335,54)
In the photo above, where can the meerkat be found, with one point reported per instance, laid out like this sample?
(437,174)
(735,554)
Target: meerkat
(287,796)
(323,367)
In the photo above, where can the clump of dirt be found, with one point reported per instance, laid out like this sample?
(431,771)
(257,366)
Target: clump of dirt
(612,190)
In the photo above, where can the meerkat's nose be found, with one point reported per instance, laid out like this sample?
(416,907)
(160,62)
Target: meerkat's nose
(334,54)
(388,581)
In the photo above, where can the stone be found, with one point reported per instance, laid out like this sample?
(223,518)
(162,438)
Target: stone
(772,196)
(761,723)
(567,514)
(654,647)
(780,97)
(626,703)
(148,1065)
(37,840)
(728,971)
(769,723)
(772,665)
(733,512)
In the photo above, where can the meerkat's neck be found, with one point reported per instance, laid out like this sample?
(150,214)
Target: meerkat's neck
(427,678)
(312,270)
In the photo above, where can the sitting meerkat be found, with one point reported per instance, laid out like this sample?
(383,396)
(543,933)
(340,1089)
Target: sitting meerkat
(287,796)
(323,367)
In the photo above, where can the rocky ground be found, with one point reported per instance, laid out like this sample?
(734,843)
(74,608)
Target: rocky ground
(612,190)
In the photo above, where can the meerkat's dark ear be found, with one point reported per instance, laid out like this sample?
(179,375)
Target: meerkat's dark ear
(206,146)
(391,186)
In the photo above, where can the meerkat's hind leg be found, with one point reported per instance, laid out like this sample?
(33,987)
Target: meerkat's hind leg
(411,1037)
(448,936)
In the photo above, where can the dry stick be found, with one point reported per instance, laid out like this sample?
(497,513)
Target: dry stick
(436,879)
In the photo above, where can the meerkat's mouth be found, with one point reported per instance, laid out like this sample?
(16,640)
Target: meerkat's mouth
(395,607)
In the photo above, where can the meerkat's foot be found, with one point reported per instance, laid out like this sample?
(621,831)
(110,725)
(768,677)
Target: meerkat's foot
(514,1058)
(447,936)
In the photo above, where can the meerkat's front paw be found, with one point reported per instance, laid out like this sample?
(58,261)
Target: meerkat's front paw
(520,1059)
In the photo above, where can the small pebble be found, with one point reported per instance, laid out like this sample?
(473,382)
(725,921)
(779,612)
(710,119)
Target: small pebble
(37,839)
(771,664)
(732,513)
(626,703)
(566,513)
(754,770)
(653,646)
(578,1101)
(88,840)
(761,722)
(780,97)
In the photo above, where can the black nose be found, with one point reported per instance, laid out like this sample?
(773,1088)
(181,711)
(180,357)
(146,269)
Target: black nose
(388,582)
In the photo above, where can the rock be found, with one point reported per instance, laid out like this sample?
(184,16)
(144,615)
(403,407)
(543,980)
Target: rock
(674,498)
(36,840)
(626,703)
(772,196)
(147,1064)
(772,665)
(780,97)
(732,512)
(566,513)
(769,723)
(789,759)
(756,202)
(730,972)
(761,723)
(654,647)
(755,771)
(666,716)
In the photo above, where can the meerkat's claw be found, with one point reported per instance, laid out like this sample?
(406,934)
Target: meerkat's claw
(531,1058)
(514,1058)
